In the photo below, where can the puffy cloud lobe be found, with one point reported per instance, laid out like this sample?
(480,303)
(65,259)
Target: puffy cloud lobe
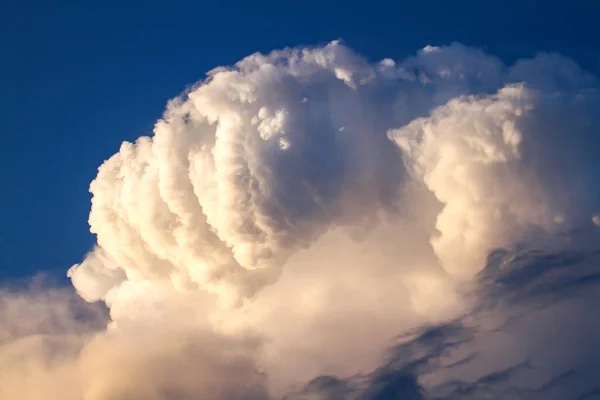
(98,274)
(252,164)
(492,162)
(468,154)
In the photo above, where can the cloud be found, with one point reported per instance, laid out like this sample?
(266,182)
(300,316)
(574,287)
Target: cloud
(530,335)
(261,159)
(42,331)
(170,364)
(55,346)
(306,224)
(248,167)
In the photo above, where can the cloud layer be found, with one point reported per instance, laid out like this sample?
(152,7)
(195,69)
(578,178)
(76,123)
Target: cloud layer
(293,214)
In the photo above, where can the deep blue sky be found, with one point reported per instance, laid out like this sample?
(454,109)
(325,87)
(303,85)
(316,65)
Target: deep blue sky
(78,79)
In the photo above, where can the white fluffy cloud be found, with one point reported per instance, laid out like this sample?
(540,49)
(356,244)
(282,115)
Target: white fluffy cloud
(292,214)
(246,168)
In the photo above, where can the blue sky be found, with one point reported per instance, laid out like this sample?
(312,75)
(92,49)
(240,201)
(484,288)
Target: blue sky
(76,79)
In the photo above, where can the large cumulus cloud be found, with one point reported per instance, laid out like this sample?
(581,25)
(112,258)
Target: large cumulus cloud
(293,214)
